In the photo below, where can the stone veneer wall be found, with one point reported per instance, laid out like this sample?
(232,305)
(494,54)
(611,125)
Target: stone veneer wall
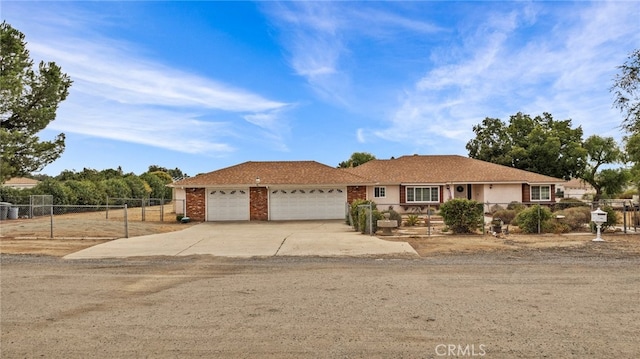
(196,200)
(258,204)
(356,192)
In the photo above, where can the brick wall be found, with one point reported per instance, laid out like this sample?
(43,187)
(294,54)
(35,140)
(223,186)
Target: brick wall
(258,204)
(356,192)
(195,198)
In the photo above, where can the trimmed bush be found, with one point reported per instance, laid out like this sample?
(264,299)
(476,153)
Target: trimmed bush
(528,219)
(495,208)
(363,221)
(516,206)
(393,215)
(462,215)
(355,212)
(555,227)
(576,218)
(570,203)
(505,215)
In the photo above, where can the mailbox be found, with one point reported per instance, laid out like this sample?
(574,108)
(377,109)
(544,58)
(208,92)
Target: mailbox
(599,216)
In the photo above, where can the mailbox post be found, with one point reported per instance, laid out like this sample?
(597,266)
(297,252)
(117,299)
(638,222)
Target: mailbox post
(599,217)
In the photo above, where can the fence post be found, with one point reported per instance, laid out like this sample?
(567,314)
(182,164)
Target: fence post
(51,216)
(428,221)
(624,215)
(126,222)
(162,209)
(370,220)
(107,207)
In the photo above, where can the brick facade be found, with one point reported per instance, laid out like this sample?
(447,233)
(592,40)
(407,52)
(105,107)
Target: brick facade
(258,204)
(356,192)
(196,201)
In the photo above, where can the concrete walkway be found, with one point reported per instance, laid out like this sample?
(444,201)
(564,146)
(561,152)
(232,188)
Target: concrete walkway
(251,239)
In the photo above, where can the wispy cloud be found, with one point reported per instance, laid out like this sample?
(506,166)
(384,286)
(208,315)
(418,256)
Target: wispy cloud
(318,35)
(564,70)
(119,93)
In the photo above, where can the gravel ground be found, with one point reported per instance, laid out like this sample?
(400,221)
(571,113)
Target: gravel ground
(534,304)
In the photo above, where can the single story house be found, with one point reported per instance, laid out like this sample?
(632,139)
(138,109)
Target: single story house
(411,182)
(278,190)
(577,188)
(303,190)
(21,183)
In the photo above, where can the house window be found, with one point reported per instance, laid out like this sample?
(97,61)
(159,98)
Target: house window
(379,192)
(423,194)
(540,193)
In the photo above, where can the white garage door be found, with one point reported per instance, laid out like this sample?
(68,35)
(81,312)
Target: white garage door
(229,204)
(307,203)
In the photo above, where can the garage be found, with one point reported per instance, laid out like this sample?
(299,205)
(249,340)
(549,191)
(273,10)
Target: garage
(228,204)
(307,203)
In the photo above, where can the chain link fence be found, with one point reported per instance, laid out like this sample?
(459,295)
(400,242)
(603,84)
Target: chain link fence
(38,217)
(60,221)
(427,216)
(146,209)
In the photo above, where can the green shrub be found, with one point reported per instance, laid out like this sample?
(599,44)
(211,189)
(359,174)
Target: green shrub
(393,215)
(363,221)
(570,203)
(612,219)
(529,219)
(412,220)
(516,206)
(462,215)
(575,218)
(555,227)
(505,215)
(356,212)
(85,192)
(495,208)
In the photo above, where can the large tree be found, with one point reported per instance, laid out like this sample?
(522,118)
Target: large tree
(28,103)
(626,89)
(603,151)
(356,159)
(539,144)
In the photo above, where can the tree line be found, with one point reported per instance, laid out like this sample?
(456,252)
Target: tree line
(93,187)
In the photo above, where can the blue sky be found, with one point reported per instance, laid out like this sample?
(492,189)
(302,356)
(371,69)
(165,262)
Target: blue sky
(203,85)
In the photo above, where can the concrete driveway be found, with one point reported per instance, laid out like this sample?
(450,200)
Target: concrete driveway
(251,239)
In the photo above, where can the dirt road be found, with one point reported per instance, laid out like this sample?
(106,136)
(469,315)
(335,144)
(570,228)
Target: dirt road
(537,304)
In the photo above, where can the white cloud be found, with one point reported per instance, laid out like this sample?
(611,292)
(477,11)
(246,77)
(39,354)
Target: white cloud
(317,36)
(118,93)
(565,70)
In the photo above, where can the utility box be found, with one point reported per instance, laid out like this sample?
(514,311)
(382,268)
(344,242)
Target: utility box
(13,213)
(4,210)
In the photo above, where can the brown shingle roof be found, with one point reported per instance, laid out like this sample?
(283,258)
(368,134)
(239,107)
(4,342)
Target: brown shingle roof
(444,169)
(274,173)
(577,183)
(21,181)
